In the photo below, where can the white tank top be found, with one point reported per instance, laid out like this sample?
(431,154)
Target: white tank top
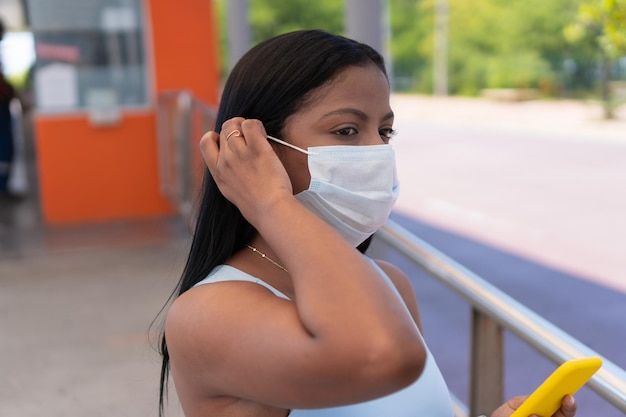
(428,396)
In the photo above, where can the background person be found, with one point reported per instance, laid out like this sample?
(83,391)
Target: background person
(7,150)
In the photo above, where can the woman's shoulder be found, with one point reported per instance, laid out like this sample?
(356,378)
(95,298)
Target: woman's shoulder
(216,292)
(204,320)
(402,283)
(215,301)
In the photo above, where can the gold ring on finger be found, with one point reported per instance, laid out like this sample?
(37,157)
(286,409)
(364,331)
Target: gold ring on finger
(234,132)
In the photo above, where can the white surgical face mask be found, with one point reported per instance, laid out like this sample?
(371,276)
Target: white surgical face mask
(353,188)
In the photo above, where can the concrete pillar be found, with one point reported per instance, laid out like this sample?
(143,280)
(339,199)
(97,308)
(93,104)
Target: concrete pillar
(367,21)
(441,48)
(239,37)
(364,22)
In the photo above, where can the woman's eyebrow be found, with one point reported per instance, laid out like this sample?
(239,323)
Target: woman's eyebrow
(388,116)
(358,113)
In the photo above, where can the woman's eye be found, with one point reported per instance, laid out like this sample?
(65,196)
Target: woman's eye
(346,131)
(387,134)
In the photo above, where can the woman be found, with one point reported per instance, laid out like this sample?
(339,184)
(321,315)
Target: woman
(277,313)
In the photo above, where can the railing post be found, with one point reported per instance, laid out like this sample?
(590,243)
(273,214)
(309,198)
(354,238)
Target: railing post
(163,119)
(487,362)
(184,107)
(487,343)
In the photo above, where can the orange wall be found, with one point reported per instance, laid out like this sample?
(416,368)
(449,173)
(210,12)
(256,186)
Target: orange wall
(185,47)
(90,174)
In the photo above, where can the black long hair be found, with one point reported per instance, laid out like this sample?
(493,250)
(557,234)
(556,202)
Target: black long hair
(269,83)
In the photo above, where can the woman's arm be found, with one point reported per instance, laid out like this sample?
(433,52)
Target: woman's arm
(346,338)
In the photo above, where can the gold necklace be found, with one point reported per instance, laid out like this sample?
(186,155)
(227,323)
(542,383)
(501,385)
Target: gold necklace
(253,249)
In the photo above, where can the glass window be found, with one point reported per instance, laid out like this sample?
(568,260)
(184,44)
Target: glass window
(90,54)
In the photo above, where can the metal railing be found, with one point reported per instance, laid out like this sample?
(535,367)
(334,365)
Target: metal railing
(18,178)
(182,120)
(492,312)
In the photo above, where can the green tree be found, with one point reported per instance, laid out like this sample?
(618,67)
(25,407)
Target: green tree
(516,42)
(269,18)
(272,17)
(492,43)
(604,22)
(409,26)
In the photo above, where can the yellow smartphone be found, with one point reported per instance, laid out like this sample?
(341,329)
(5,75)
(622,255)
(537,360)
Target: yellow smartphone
(567,379)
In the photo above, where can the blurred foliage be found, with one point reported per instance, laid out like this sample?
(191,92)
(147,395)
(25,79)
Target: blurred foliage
(272,17)
(491,43)
(498,44)
(269,18)
(603,24)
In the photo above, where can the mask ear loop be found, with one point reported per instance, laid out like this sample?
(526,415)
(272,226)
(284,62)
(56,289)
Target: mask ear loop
(282,142)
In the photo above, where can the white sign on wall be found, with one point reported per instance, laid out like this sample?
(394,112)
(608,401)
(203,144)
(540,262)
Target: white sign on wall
(56,87)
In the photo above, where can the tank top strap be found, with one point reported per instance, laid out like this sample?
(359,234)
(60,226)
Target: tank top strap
(224,273)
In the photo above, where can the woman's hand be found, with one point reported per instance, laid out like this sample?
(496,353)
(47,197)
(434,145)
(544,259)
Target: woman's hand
(244,165)
(568,407)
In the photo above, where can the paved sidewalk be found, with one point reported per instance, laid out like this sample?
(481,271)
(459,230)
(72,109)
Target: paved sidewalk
(75,314)
(569,119)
